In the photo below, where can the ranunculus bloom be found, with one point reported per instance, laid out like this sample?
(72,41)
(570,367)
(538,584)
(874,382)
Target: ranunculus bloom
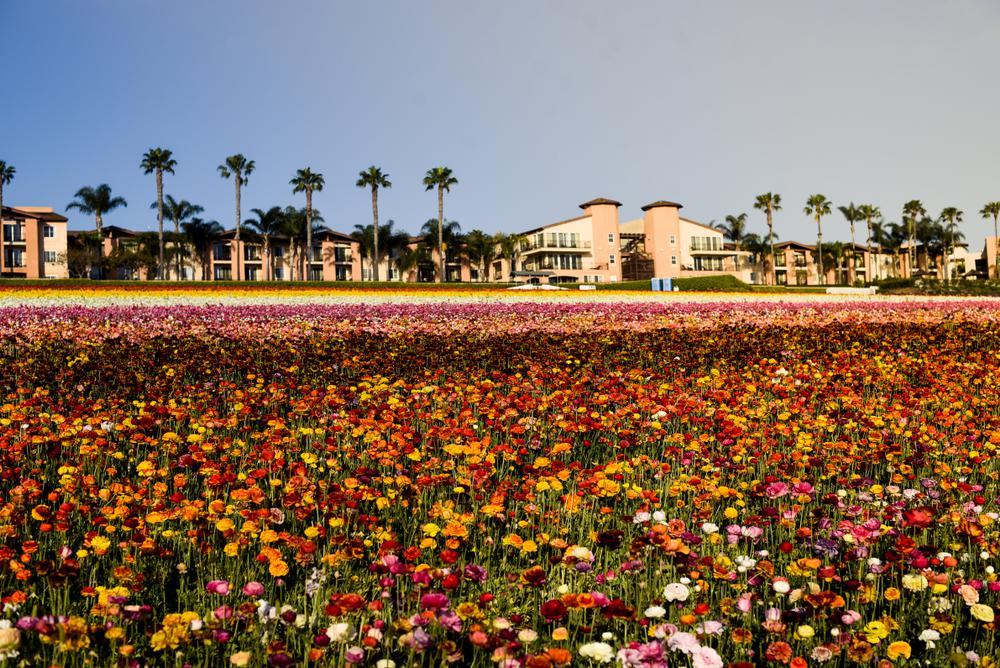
(220,587)
(983,613)
(254,589)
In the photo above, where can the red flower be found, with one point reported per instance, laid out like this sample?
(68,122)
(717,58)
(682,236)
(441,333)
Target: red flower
(553,610)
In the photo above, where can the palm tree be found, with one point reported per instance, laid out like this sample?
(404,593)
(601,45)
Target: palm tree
(200,234)
(481,249)
(374,178)
(852,215)
(989,210)
(734,229)
(240,169)
(913,211)
(266,224)
(442,179)
(870,214)
(6,176)
(410,258)
(769,203)
(307,181)
(950,217)
(177,212)
(449,241)
(294,224)
(509,246)
(758,249)
(96,202)
(159,160)
(818,206)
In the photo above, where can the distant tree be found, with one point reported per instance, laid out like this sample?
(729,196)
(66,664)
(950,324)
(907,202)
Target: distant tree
(870,214)
(769,203)
(200,234)
(390,242)
(449,243)
(992,210)
(442,179)
(481,249)
(294,225)
(158,161)
(852,215)
(178,212)
(374,178)
(307,181)
(734,229)
(6,177)
(818,206)
(949,219)
(267,224)
(509,246)
(240,169)
(913,211)
(96,202)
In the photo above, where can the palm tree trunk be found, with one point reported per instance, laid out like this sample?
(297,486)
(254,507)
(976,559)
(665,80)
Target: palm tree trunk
(177,249)
(996,254)
(159,218)
(770,240)
(868,265)
(441,276)
(309,231)
(375,231)
(850,267)
(819,247)
(239,247)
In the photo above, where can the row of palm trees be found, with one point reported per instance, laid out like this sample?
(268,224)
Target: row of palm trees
(158,161)
(936,236)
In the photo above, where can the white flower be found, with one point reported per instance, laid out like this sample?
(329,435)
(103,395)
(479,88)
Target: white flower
(598,651)
(385,663)
(781,586)
(710,528)
(607,635)
(641,516)
(527,636)
(929,636)
(706,657)
(340,632)
(655,612)
(675,591)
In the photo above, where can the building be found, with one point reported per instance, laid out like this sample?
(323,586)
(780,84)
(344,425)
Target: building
(597,248)
(34,243)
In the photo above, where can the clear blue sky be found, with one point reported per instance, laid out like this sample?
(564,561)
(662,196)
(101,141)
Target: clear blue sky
(537,106)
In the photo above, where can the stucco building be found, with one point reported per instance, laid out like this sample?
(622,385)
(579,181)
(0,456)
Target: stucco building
(34,243)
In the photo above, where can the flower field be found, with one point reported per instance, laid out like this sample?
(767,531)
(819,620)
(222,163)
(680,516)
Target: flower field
(533,482)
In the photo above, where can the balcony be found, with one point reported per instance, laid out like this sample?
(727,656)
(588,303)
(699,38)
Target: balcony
(222,253)
(252,253)
(554,244)
(342,256)
(550,265)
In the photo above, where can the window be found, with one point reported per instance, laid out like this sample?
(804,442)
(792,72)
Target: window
(611,237)
(279,251)
(50,257)
(611,259)
(251,273)
(279,273)
(14,257)
(223,274)
(673,259)
(49,231)
(12,232)
(315,273)
(673,240)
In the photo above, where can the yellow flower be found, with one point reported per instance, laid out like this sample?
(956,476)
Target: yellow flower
(875,631)
(278,568)
(240,658)
(892,594)
(100,545)
(899,649)
(983,613)
(805,631)
(561,633)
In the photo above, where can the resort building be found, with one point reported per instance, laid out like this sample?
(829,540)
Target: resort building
(34,243)
(598,248)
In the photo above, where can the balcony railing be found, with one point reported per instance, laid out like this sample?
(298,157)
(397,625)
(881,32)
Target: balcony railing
(697,245)
(554,243)
(340,255)
(222,254)
(538,266)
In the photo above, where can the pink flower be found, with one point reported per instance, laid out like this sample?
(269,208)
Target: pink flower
(776,489)
(220,587)
(253,589)
(433,601)
(354,655)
